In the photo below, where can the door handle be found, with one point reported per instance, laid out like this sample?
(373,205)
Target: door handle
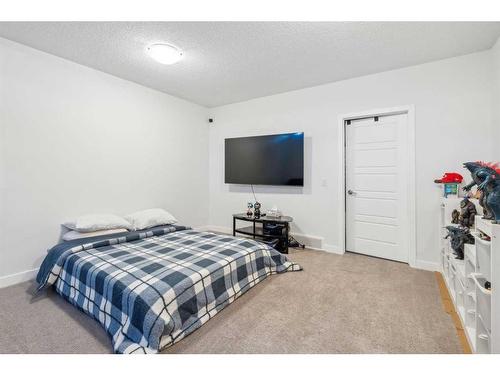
(350,192)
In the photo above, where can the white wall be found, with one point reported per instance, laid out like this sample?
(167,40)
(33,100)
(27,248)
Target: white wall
(496,101)
(453,115)
(75,141)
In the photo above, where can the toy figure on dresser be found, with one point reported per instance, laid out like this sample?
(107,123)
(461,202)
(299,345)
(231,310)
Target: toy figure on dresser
(450,182)
(249,209)
(465,217)
(459,237)
(487,178)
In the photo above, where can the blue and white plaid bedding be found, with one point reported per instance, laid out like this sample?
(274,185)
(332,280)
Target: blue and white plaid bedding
(151,289)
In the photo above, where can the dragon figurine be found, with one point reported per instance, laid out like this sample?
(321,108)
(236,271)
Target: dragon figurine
(487,178)
(459,237)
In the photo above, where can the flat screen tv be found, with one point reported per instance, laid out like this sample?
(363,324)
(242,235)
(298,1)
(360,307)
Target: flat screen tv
(265,160)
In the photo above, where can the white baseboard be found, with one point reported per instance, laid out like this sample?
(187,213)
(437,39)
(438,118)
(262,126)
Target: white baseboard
(311,242)
(316,243)
(427,266)
(17,278)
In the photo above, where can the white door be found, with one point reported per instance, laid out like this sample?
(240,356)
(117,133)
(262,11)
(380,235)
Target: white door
(377,187)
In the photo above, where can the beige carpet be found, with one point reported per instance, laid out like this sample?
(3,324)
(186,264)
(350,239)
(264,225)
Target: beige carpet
(338,304)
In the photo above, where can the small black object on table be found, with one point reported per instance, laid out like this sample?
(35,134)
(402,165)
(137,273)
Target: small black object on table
(266,229)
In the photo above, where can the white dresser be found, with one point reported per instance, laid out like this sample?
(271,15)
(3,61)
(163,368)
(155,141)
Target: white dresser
(478,308)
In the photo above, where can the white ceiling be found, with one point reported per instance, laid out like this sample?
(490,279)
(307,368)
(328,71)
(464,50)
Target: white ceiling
(227,62)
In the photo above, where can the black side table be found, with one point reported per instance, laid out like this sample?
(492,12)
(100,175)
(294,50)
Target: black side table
(260,229)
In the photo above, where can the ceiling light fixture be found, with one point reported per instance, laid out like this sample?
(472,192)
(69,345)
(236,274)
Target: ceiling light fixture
(164,53)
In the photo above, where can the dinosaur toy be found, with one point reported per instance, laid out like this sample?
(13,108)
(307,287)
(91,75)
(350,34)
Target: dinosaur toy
(467,213)
(459,237)
(487,178)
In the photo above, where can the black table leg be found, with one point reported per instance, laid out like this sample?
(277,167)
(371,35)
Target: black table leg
(234,226)
(286,238)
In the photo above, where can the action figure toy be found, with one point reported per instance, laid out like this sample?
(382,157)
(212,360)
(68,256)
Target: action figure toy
(487,178)
(459,237)
(467,213)
(256,210)
(249,209)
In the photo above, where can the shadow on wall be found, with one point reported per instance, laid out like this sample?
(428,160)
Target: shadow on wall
(267,189)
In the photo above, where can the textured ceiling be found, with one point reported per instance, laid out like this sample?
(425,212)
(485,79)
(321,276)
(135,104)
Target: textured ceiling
(227,62)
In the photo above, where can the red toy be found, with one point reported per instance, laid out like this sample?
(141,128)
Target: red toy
(450,178)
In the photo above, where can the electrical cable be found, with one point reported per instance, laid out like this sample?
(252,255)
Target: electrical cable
(292,242)
(253,192)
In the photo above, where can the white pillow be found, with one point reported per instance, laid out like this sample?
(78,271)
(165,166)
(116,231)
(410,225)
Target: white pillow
(92,223)
(150,218)
(74,235)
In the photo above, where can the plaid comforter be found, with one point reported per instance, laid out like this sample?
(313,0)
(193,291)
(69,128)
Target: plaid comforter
(151,290)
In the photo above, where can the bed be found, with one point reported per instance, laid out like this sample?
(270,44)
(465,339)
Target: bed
(151,288)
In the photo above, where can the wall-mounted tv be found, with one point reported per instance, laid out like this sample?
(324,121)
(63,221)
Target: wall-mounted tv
(276,159)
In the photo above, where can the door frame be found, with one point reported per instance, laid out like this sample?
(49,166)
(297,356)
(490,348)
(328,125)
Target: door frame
(409,110)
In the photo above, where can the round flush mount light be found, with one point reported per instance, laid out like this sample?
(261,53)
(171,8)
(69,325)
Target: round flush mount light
(164,53)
